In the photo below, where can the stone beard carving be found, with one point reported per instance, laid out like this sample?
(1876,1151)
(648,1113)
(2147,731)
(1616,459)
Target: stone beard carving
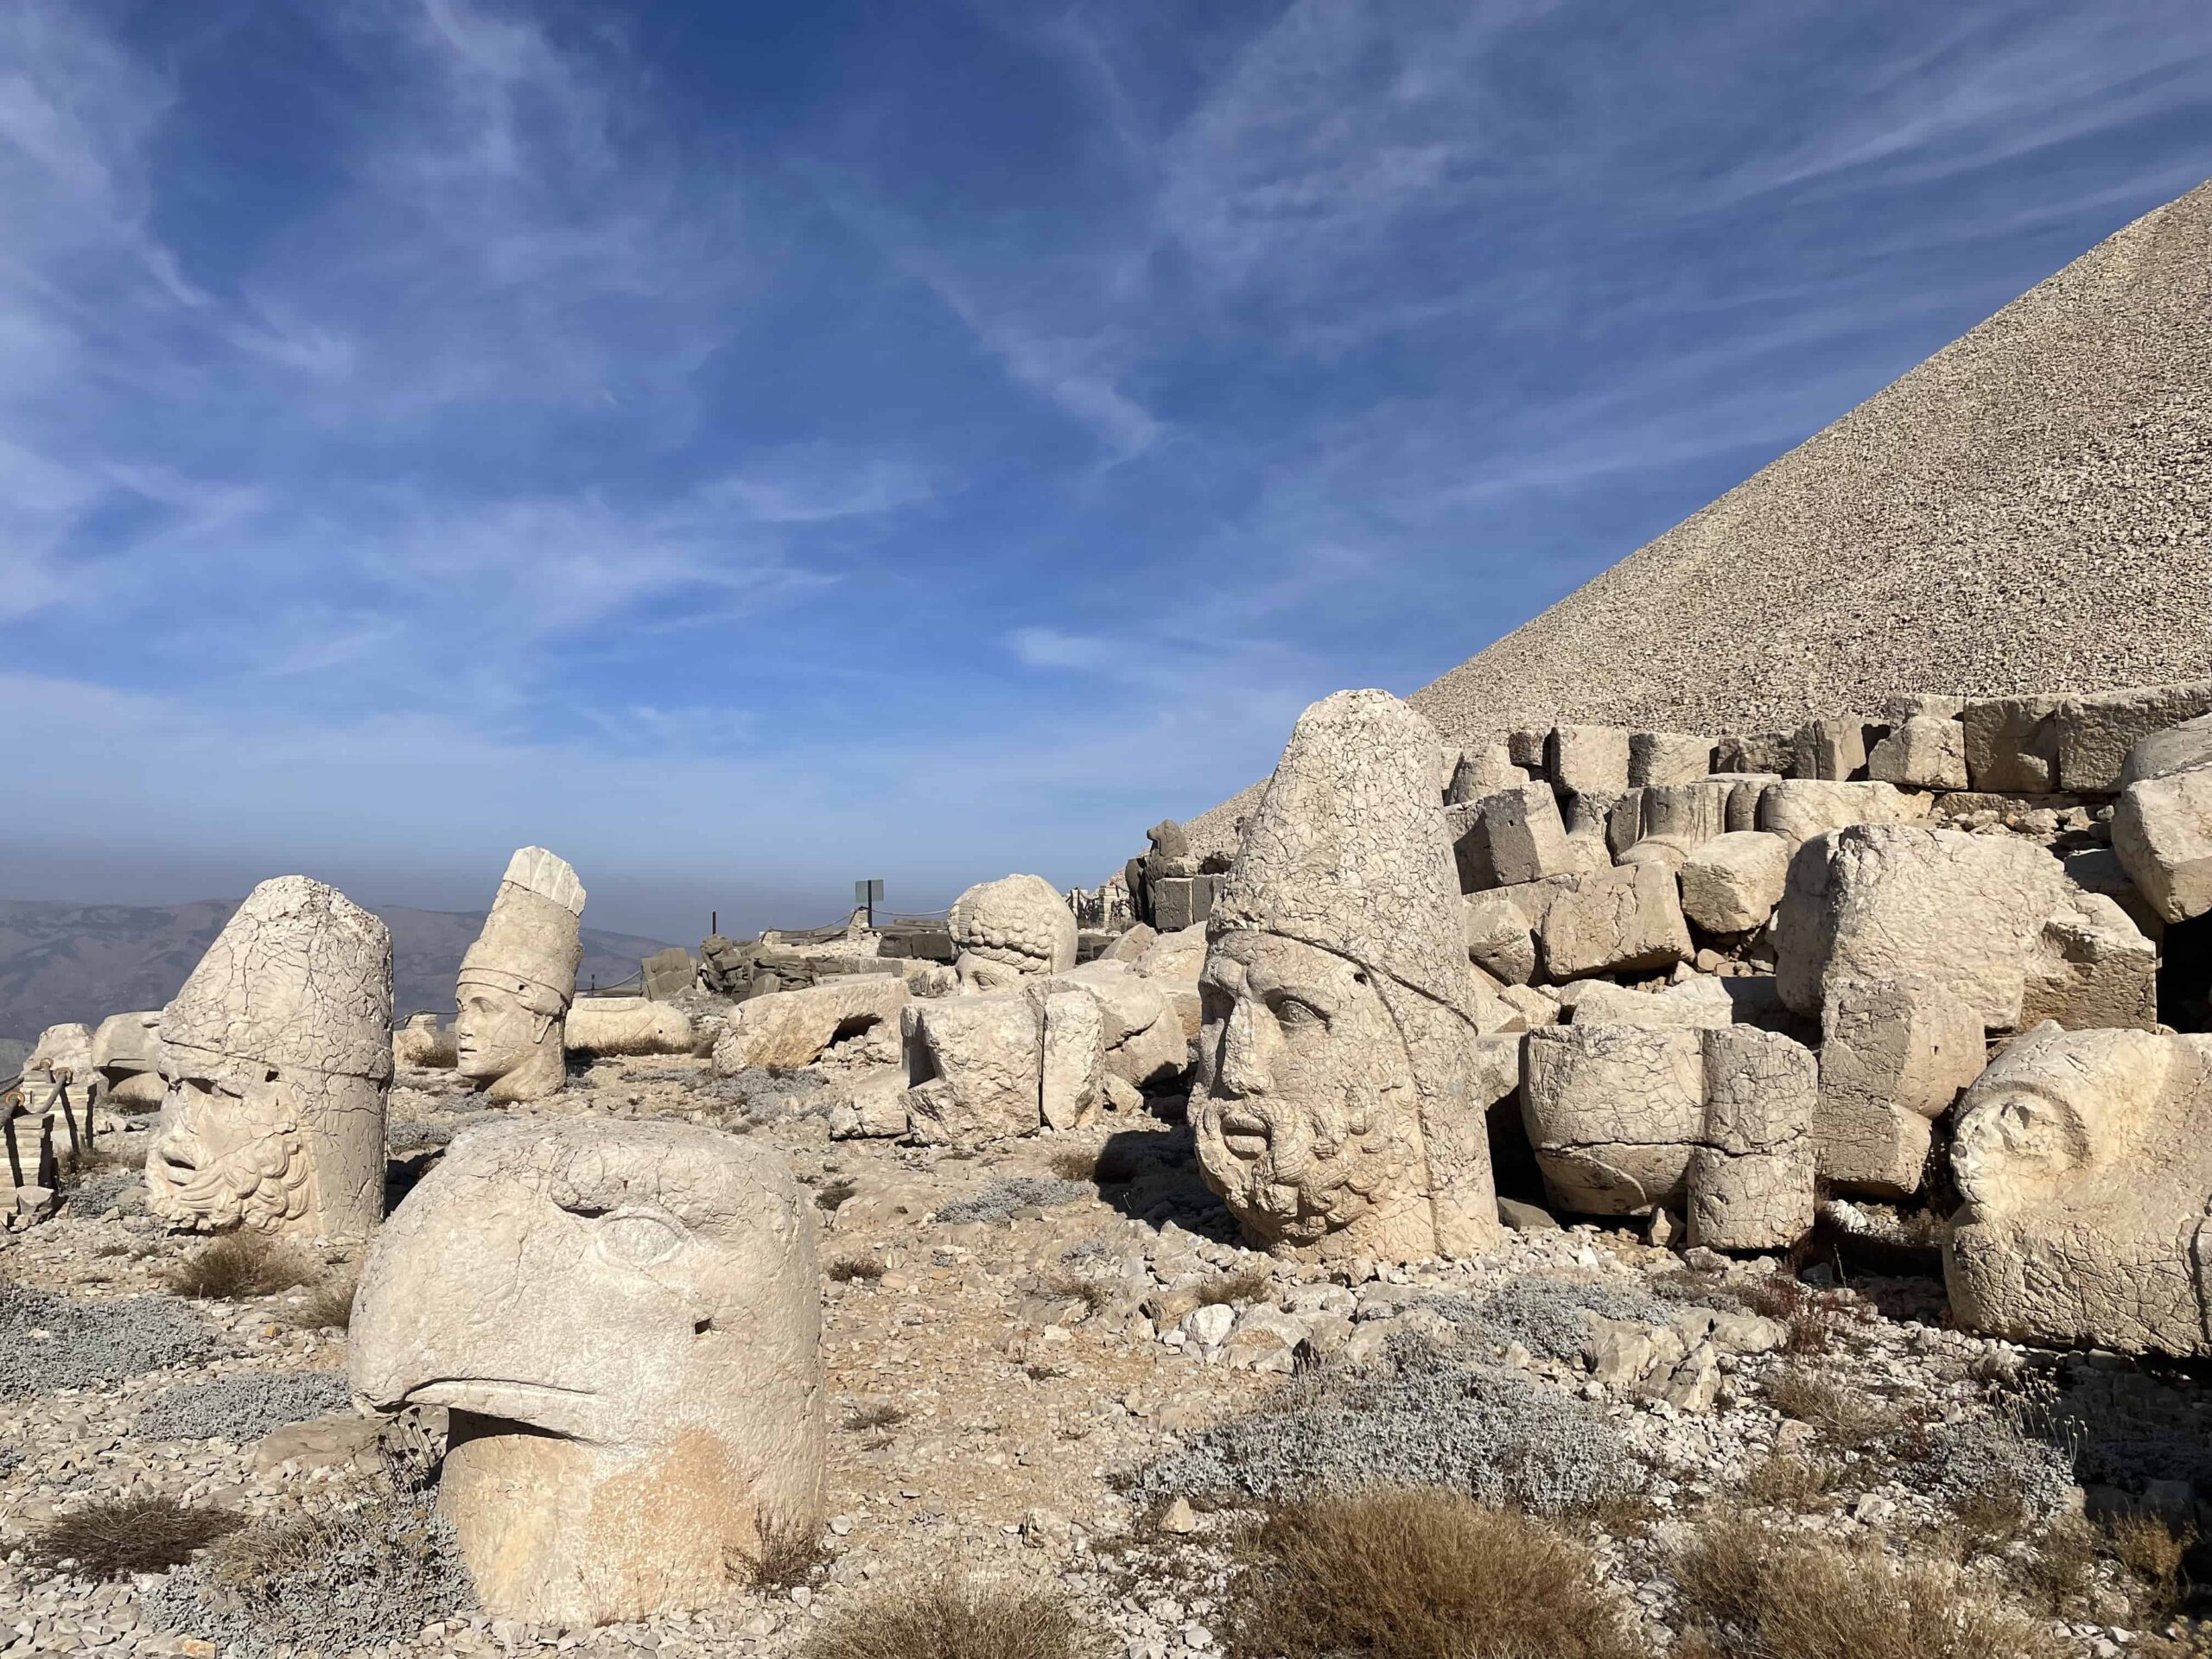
(2086,1177)
(275,1058)
(1008,929)
(517,979)
(623,1319)
(1340,1101)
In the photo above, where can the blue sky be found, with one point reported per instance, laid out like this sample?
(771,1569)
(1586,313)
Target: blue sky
(749,447)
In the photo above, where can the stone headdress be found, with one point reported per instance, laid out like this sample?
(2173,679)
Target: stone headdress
(301,976)
(1018,919)
(531,944)
(1347,852)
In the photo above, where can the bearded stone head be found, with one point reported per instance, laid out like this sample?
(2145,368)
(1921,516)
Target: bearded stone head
(275,1059)
(1007,930)
(1340,1106)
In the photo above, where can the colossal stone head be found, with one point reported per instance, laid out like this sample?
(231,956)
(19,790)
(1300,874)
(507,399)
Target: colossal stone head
(1006,930)
(275,1058)
(519,979)
(127,1052)
(623,1319)
(2087,1179)
(1340,1102)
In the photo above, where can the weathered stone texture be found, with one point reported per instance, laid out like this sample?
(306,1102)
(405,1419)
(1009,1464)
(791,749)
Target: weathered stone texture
(1616,921)
(1731,883)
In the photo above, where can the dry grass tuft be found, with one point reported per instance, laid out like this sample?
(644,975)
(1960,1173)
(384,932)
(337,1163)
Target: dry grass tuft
(1247,1285)
(1783,1480)
(329,1306)
(238,1266)
(861,1269)
(833,1193)
(1074,1163)
(121,1537)
(1844,1417)
(1754,1594)
(1094,1295)
(2153,1550)
(862,1418)
(1813,1319)
(1418,1575)
(790,1553)
(953,1618)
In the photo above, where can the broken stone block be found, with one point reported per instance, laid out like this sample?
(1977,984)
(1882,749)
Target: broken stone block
(669,973)
(1964,913)
(1071,1053)
(1529,1008)
(1482,773)
(972,1067)
(1744,789)
(1615,921)
(1799,809)
(626,1024)
(1830,750)
(1588,759)
(1499,939)
(2180,748)
(1750,1183)
(2095,969)
(2162,830)
(874,1107)
(1522,837)
(1922,752)
(788,1029)
(1731,883)
(2096,733)
(2012,744)
(1614,1113)
(1140,1028)
(1893,1058)
(1667,757)
(1695,1004)
(1692,813)
(2086,1174)
(1767,752)
(1670,853)
(1624,823)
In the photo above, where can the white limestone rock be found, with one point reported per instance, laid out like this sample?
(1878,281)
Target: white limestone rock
(1616,921)
(1732,882)
(785,1030)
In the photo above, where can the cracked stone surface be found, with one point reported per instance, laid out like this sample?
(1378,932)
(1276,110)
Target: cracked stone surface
(1014,928)
(517,979)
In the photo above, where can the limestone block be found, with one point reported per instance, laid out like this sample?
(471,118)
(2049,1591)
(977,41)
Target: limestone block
(1588,759)
(1178,902)
(1732,882)
(786,1030)
(1499,939)
(1526,750)
(63,1053)
(1530,1007)
(1173,962)
(2086,1172)
(1483,772)
(32,1163)
(2096,732)
(277,1056)
(1019,926)
(1830,750)
(1338,972)
(873,1107)
(1744,789)
(2162,830)
(1893,1058)
(2012,744)
(1140,1028)
(1624,823)
(1750,1183)
(636,1025)
(2180,748)
(669,973)
(2094,968)
(126,1051)
(1614,1113)
(1922,752)
(1774,752)
(1522,835)
(1669,853)
(1667,757)
(1615,921)
(1130,945)
(1798,809)
(622,1320)
(1958,913)
(1071,1057)
(973,1067)
(1692,813)
(1695,1004)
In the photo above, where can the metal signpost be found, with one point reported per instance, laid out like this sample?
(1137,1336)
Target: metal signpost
(868,894)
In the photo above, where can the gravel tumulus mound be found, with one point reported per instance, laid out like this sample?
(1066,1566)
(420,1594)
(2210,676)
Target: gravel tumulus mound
(2029,510)
(241,1408)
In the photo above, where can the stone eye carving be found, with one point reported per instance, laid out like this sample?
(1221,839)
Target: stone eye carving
(638,1238)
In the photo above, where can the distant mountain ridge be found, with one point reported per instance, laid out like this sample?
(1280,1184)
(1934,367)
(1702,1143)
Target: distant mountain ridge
(62,961)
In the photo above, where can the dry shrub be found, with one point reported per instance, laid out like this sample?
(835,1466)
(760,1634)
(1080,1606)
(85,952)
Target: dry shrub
(329,1306)
(1845,1417)
(1093,1293)
(1783,1480)
(240,1265)
(1248,1285)
(829,1197)
(849,1269)
(1074,1163)
(863,1418)
(1753,1594)
(1418,1575)
(1812,1319)
(2153,1550)
(120,1536)
(790,1553)
(2060,1568)
(953,1618)
(1993,1517)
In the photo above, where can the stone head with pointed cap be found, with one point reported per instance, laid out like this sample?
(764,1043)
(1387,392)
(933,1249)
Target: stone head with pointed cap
(275,1061)
(1340,1102)
(517,979)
